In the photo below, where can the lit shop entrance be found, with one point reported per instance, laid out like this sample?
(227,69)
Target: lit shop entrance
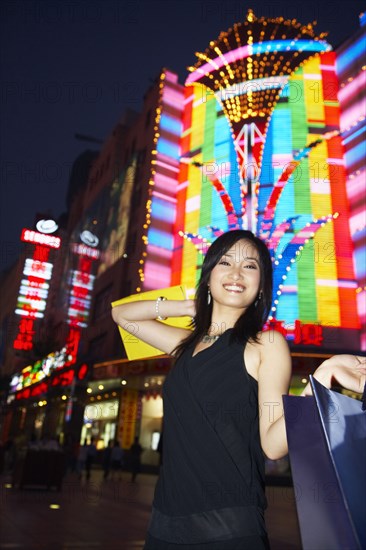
(100,422)
(135,411)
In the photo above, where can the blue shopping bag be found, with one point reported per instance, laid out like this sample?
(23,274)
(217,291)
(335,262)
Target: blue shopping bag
(327,449)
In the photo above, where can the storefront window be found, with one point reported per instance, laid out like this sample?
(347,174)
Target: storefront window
(100,422)
(151,427)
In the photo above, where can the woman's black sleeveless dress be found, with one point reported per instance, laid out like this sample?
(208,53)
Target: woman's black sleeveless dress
(210,492)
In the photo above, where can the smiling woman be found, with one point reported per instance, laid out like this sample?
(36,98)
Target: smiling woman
(235,281)
(210,493)
(237,274)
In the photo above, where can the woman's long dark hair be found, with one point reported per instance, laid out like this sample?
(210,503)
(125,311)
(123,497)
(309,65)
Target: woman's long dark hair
(251,322)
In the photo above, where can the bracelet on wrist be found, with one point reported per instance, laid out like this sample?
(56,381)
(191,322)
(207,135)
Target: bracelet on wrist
(158,316)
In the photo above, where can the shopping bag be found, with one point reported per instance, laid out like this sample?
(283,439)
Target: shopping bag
(327,449)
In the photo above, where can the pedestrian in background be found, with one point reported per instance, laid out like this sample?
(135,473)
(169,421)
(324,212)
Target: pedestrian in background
(107,457)
(135,459)
(81,459)
(9,456)
(90,456)
(116,459)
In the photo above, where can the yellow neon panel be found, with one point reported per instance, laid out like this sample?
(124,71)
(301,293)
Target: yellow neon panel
(328,305)
(194,195)
(198,120)
(319,173)
(189,262)
(313,91)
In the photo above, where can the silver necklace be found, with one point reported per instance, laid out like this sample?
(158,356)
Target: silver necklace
(207,339)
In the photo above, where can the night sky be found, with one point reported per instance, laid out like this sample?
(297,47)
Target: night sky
(74,66)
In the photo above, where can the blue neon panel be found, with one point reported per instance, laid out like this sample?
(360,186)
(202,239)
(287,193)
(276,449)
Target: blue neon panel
(355,50)
(353,135)
(360,262)
(170,124)
(281,45)
(168,148)
(222,132)
(221,152)
(234,184)
(357,153)
(159,238)
(162,211)
(287,308)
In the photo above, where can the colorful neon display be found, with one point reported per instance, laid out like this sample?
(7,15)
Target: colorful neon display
(242,80)
(64,377)
(270,157)
(33,374)
(53,370)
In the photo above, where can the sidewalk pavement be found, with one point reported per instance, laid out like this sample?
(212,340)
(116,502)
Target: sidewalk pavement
(108,515)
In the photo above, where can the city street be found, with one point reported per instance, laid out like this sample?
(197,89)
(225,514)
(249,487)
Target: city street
(108,515)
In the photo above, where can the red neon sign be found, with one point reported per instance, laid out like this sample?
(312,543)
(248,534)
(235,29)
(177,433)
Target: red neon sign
(30,236)
(24,338)
(33,291)
(308,334)
(72,345)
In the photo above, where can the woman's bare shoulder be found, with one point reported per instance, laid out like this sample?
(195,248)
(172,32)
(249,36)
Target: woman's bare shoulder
(268,340)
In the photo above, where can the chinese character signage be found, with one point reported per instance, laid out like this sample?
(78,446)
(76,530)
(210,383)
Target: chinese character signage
(81,285)
(34,286)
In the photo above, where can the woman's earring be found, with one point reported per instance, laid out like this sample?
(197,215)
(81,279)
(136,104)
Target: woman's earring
(258,299)
(208,297)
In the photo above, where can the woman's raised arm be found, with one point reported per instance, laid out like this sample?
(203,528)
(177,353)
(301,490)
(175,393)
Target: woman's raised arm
(140,319)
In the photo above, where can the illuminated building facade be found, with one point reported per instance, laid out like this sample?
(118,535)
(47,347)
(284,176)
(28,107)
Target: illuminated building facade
(262,147)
